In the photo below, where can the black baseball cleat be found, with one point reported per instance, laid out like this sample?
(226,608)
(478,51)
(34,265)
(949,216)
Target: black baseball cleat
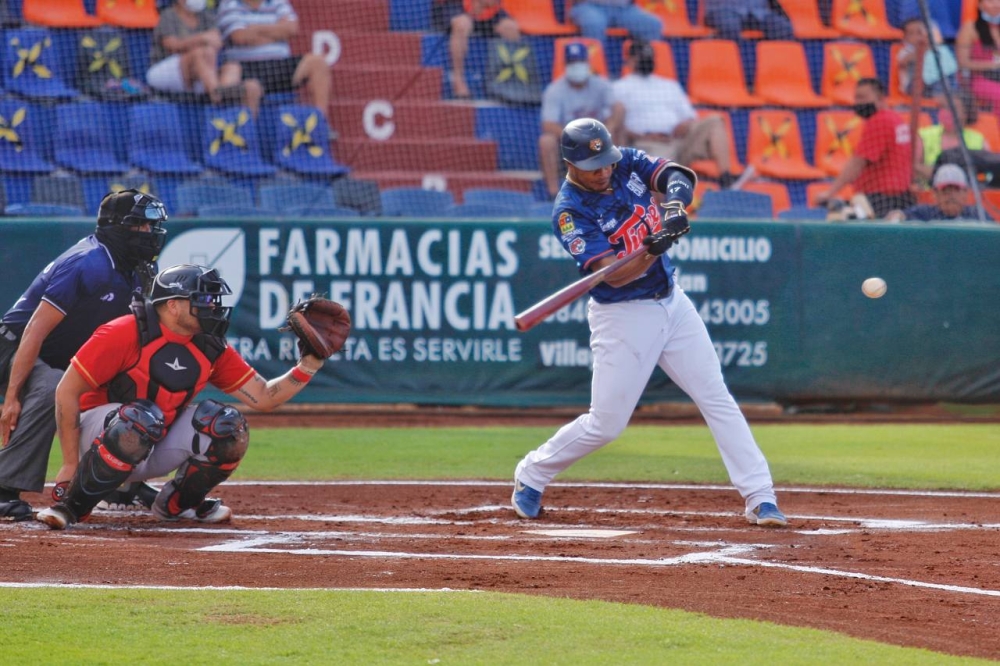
(15,510)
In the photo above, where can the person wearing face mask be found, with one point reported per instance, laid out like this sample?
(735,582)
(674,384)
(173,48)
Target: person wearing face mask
(184,58)
(87,285)
(977,49)
(882,165)
(578,93)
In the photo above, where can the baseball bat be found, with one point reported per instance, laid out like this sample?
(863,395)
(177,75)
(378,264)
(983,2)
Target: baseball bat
(545,307)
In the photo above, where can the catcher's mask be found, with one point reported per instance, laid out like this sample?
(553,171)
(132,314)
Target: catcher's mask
(203,287)
(121,213)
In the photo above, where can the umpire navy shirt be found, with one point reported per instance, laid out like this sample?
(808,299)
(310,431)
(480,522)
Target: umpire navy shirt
(84,285)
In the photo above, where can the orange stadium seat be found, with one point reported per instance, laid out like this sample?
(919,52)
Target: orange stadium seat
(676,21)
(598,63)
(58,14)
(844,64)
(989,126)
(716,75)
(991,202)
(863,18)
(782,76)
(813,190)
(780,199)
(774,146)
(700,188)
(806,21)
(537,17)
(129,13)
(837,133)
(970,10)
(708,168)
(664,56)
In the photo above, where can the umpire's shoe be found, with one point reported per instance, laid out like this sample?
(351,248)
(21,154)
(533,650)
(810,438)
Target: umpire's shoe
(15,509)
(766,514)
(527,501)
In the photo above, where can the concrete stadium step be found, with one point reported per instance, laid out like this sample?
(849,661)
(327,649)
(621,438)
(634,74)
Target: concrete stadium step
(430,154)
(368,48)
(454,181)
(392,83)
(382,120)
(342,15)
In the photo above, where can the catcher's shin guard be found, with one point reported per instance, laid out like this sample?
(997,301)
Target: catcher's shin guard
(229,436)
(127,439)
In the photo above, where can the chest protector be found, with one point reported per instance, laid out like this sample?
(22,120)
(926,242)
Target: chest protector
(168,373)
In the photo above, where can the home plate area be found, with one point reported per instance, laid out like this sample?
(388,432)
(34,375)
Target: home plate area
(907,567)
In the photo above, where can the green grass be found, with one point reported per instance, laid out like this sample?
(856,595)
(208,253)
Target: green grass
(309,627)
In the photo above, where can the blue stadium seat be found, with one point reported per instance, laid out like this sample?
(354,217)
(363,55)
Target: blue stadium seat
(63,190)
(282,197)
(43,210)
(321,211)
(193,195)
(803,213)
(82,139)
(19,145)
(482,210)
(361,195)
(230,143)
(155,140)
(31,65)
(735,205)
(541,209)
(232,210)
(521,201)
(407,201)
(302,142)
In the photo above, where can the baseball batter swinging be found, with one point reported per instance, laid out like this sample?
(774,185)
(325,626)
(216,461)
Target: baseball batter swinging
(639,318)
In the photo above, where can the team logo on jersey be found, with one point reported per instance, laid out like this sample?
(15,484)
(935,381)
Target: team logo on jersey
(176,365)
(636,185)
(596,145)
(108,297)
(577,246)
(566,223)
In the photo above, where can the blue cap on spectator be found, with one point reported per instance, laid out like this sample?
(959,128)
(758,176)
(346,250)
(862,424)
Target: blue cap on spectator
(576,51)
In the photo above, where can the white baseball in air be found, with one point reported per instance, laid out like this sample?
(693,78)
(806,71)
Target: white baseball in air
(874,287)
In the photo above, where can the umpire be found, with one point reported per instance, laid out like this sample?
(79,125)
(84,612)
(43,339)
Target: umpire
(88,285)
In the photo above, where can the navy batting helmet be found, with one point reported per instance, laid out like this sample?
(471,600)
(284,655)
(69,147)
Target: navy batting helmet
(586,144)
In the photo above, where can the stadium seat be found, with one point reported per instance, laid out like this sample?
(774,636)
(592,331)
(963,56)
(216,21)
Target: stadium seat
(230,143)
(321,211)
(302,142)
(778,192)
(232,210)
(598,63)
(865,19)
(303,195)
(19,147)
(700,188)
(136,14)
(509,198)
(735,205)
(103,66)
(803,214)
(194,194)
(61,190)
(708,168)
(133,181)
(542,209)
(361,195)
(483,210)
(58,14)
(155,141)
(806,20)
(663,57)
(969,11)
(537,17)
(716,75)
(837,132)
(414,201)
(31,65)
(774,146)
(83,139)
(989,126)
(675,17)
(844,64)
(782,76)
(42,210)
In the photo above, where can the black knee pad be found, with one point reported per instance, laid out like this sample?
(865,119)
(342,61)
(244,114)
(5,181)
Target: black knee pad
(227,428)
(131,431)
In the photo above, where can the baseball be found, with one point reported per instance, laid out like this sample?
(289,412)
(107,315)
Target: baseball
(874,287)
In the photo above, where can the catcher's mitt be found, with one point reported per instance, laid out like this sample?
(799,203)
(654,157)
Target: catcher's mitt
(321,325)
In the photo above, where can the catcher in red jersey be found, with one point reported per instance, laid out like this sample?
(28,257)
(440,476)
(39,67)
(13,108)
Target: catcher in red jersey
(124,409)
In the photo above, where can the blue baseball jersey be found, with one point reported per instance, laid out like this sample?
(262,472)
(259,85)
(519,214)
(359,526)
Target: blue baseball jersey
(84,285)
(594,225)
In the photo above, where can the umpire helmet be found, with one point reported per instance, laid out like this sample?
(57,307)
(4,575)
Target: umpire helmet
(586,144)
(132,208)
(203,287)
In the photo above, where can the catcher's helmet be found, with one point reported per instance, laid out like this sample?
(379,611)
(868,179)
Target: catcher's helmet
(203,287)
(586,144)
(132,208)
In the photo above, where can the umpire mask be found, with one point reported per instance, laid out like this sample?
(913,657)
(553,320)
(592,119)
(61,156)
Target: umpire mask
(118,221)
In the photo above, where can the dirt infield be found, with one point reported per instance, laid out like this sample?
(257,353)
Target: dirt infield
(909,568)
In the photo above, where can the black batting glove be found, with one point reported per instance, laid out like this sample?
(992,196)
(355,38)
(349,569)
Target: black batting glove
(675,219)
(658,243)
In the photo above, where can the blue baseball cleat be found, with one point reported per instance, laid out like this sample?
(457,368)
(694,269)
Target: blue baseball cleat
(527,502)
(767,515)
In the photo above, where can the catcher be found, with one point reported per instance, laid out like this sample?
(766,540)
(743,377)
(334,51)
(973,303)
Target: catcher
(124,408)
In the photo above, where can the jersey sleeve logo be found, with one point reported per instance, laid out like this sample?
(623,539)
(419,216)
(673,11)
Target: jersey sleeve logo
(635,184)
(566,225)
(577,246)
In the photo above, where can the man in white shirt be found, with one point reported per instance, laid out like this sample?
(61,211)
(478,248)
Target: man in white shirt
(660,119)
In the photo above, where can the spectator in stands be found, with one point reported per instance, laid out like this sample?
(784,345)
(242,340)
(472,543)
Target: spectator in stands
(915,38)
(578,93)
(942,137)
(882,165)
(256,34)
(594,17)
(659,117)
(729,17)
(185,58)
(977,48)
(464,18)
(951,194)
